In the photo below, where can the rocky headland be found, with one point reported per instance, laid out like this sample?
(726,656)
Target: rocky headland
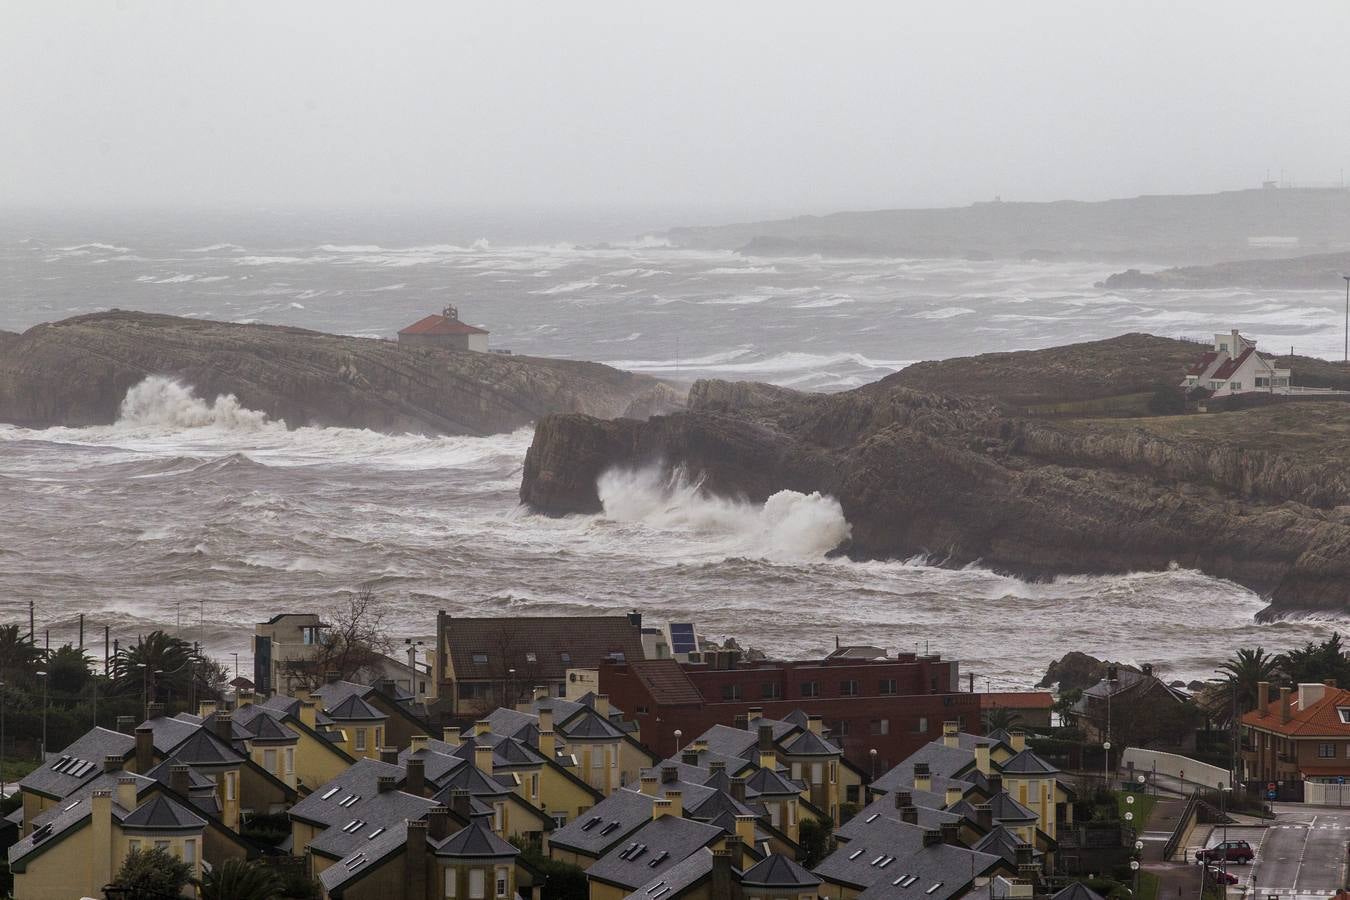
(76,372)
(1036,463)
(1318,271)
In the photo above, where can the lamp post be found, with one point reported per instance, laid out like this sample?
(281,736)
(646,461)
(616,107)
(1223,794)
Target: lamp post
(42,751)
(678,734)
(236,664)
(873,753)
(2,739)
(1347,317)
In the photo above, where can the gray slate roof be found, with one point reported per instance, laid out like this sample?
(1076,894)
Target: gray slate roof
(475,840)
(896,854)
(682,876)
(78,763)
(1027,763)
(354,709)
(652,850)
(605,824)
(776,870)
(159,813)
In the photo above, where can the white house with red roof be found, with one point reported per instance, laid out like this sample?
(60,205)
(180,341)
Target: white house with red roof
(444,332)
(1235,367)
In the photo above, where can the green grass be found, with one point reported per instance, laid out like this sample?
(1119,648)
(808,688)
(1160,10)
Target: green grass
(1142,807)
(18,768)
(1148,886)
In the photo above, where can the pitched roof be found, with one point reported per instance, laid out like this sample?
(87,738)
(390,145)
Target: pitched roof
(1203,363)
(1017,700)
(538,647)
(605,824)
(667,681)
(475,840)
(1321,718)
(437,324)
(1004,808)
(1225,371)
(685,874)
(205,749)
(78,763)
(1027,763)
(1077,891)
(882,813)
(159,813)
(766,781)
(268,730)
(652,850)
(776,870)
(809,744)
(941,760)
(893,861)
(354,709)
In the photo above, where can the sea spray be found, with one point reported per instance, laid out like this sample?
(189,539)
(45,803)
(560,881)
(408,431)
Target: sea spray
(788,526)
(159,402)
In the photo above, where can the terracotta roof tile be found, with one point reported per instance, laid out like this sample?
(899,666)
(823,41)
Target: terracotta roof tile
(1319,719)
(542,647)
(441,325)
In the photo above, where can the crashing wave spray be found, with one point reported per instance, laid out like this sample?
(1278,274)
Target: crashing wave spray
(789,526)
(159,402)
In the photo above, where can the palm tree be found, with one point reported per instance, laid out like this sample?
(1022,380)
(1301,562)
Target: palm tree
(1243,672)
(1000,717)
(164,666)
(235,879)
(18,656)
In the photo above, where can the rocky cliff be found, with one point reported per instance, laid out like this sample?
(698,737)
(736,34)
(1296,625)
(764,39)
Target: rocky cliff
(962,474)
(77,371)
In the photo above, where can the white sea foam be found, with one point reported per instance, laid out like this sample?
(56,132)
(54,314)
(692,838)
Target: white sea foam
(570,287)
(214,247)
(949,312)
(789,526)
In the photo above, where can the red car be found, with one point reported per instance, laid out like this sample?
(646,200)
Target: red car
(1218,876)
(1228,851)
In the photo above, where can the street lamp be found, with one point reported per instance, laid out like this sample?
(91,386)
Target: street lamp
(678,734)
(1347,317)
(42,753)
(2,740)
(873,753)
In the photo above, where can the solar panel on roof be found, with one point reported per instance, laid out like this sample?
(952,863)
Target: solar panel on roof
(682,638)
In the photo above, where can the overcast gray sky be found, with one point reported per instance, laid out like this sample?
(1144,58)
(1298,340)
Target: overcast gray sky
(777,107)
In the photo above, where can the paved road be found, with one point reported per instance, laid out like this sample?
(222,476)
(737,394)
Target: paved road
(1302,854)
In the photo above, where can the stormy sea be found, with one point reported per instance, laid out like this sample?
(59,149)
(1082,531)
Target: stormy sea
(196,514)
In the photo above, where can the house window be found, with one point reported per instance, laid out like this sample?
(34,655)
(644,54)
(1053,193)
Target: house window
(848,688)
(1237,385)
(1326,751)
(477,884)
(360,740)
(480,659)
(530,657)
(921,725)
(290,760)
(498,816)
(190,851)
(642,710)
(162,846)
(841,727)
(1262,382)
(534,787)
(379,736)
(796,771)
(731,692)
(501,882)
(566,658)
(886,686)
(881,726)
(834,773)
(810,688)
(770,690)
(134,846)
(817,773)
(451,883)
(1215,385)
(270,761)
(229,785)
(309,634)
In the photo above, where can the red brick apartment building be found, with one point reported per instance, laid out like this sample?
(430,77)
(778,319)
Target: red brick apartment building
(893,705)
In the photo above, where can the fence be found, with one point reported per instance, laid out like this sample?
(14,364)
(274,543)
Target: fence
(1320,793)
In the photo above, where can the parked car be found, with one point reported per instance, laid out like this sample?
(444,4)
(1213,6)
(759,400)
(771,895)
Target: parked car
(1215,875)
(1228,851)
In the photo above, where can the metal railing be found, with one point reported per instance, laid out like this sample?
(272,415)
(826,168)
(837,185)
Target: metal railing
(1179,832)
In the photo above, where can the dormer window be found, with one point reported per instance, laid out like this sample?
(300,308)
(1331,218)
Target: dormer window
(1344,713)
(480,659)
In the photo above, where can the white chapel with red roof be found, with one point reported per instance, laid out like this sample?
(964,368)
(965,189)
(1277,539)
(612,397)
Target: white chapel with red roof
(1234,367)
(444,332)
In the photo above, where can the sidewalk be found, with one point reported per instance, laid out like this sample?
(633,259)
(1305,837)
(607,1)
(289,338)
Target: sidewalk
(1175,879)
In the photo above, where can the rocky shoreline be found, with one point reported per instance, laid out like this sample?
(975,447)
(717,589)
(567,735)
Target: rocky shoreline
(77,371)
(975,460)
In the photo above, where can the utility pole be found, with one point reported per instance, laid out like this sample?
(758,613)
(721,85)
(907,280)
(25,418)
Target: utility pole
(1347,318)
(81,631)
(32,632)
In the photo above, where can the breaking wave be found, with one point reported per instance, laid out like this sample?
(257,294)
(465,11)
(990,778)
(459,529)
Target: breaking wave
(163,403)
(789,526)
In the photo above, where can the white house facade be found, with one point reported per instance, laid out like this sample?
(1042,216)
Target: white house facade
(1234,367)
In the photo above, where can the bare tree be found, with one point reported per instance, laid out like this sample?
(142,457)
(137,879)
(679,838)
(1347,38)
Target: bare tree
(352,643)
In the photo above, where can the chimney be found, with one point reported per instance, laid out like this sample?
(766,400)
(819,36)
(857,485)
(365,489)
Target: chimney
(331,677)
(548,747)
(984,816)
(903,799)
(145,748)
(660,807)
(1308,694)
(647,784)
(461,804)
(417,742)
(635,618)
(126,724)
(482,758)
(1147,670)
(1025,855)
(767,758)
(154,710)
(995,780)
(923,781)
(540,692)
(932,837)
(180,780)
(982,759)
(389,755)
(953,795)
(450,735)
(225,727)
(755,712)
(205,708)
(1019,740)
(415,779)
(951,833)
(670,774)
(126,793)
(438,823)
(1285,701)
(112,764)
(482,727)
(745,830)
(689,758)
(815,725)
(950,737)
(741,721)
(717,767)
(308,713)
(602,705)
(676,800)
(545,718)
(415,861)
(243,698)
(100,821)
(738,789)
(910,814)
(385,783)
(1262,697)
(722,884)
